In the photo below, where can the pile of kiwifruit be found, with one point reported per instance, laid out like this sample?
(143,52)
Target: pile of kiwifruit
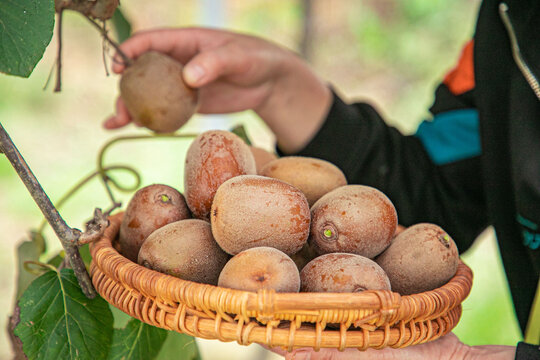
(248,220)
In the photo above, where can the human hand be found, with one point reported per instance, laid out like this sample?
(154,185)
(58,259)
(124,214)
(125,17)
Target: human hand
(447,347)
(236,72)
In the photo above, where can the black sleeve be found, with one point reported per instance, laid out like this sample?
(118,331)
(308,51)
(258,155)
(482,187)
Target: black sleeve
(526,351)
(357,140)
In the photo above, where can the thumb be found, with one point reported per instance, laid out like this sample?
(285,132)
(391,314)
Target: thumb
(209,65)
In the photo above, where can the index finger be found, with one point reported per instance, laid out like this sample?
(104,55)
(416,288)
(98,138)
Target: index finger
(181,44)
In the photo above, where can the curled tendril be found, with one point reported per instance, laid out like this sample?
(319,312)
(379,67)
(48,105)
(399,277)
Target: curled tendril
(108,180)
(104,173)
(85,180)
(37,268)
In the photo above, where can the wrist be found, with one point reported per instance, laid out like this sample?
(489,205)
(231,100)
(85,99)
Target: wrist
(296,105)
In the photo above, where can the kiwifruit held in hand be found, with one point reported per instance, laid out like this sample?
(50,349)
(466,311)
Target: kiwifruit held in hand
(314,177)
(260,268)
(155,94)
(422,257)
(355,219)
(150,208)
(212,158)
(251,211)
(343,273)
(185,249)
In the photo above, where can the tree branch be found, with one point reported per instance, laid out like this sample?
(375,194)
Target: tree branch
(68,237)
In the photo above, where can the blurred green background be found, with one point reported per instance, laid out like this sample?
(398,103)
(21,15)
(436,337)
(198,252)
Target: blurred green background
(388,52)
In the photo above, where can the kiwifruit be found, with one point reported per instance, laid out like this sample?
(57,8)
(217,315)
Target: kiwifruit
(422,257)
(341,272)
(155,94)
(261,156)
(355,219)
(150,208)
(185,249)
(213,157)
(260,268)
(251,211)
(314,177)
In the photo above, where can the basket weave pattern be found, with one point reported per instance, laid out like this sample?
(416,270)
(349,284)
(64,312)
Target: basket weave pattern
(370,319)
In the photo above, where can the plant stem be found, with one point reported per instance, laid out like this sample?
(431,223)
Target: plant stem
(103,31)
(58,86)
(67,236)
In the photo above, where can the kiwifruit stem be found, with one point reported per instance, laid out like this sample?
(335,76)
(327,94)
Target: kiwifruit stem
(329,232)
(445,240)
(104,33)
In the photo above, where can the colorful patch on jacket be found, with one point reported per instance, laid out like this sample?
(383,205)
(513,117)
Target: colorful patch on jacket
(461,79)
(530,232)
(451,136)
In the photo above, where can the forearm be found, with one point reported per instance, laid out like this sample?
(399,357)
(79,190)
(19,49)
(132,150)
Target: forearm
(297,106)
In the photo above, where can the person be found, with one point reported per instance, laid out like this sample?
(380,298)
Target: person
(473,165)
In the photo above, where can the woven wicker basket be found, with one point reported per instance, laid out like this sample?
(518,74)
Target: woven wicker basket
(370,319)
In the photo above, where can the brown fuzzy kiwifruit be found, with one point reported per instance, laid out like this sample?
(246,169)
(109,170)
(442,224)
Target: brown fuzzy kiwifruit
(260,268)
(261,156)
(251,211)
(155,94)
(422,257)
(314,177)
(355,219)
(343,273)
(212,158)
(150,208)
(185,249)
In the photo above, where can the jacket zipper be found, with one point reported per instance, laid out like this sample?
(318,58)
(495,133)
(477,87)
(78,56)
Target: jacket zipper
(516,52)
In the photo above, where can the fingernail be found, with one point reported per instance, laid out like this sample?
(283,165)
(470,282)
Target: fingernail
(194,73)
(109,123)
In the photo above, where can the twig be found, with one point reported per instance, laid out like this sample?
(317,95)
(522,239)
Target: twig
(58,86)
(94,228)
(103,31)
(68,237)
(104,49)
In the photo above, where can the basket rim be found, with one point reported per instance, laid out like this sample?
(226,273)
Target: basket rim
(266,303)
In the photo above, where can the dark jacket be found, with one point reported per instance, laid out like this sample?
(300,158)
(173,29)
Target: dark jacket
(477,162)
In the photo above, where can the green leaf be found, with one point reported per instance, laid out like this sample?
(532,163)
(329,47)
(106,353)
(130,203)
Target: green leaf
(121,25)
(57,259)
(59,322)
(120,318)
(240,131)
(84,251)
(137,341)
(179,347)
(26,28)
(28,251)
